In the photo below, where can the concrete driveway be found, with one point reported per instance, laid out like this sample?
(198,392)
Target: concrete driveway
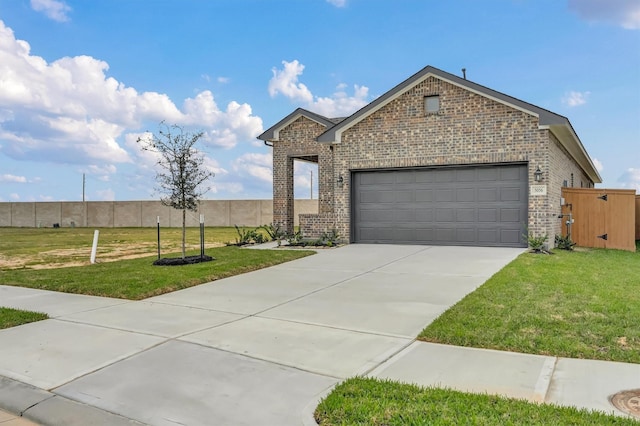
(258,348)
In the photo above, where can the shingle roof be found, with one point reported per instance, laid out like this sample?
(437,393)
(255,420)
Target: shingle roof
(558,124)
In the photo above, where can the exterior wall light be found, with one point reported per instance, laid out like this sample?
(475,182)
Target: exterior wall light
(340,181)
(537,175)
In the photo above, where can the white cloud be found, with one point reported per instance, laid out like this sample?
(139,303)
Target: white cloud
(598,164)
(340,104)
(338,3)
(46,198)
(285,82)
(224,128)
(573,99)
(69,111)
(6,178)
(630,179)
(258,166)
(53,9)
(223,80)
(14,197)
(106,194)
(625,13)
(229,187)
(101,172)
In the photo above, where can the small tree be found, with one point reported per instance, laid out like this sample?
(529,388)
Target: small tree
(181,172)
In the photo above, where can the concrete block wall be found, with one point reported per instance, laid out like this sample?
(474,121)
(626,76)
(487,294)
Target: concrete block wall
(120,214)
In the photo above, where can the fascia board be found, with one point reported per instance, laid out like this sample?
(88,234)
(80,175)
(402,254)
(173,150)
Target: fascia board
(288,120)
(570,141)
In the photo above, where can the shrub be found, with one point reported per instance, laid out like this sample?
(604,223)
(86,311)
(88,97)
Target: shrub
(274,232)
(330,239)
(564,243)
(249,236)
(537,243)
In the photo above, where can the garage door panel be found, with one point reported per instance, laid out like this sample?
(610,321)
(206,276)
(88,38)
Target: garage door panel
(444,175)
(488,174)
(404,196)
(489,236)
(511,236)
(404,216)
(378,216)
(466,175)
(510,194)
(421,176)
(377,197)
(424,195)
(465,235)
(445,235)
(425,215)
(487,195)
(445,215)
(466,215)
(405,235)
(466,195)
(445,194)
(475,205)
(405,178)
(510,215)
(424,234)
(385,177)
(488,215)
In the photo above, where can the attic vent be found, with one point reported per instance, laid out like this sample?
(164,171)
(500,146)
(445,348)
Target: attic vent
(432,104)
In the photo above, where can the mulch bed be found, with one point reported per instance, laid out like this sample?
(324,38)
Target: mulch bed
(176,261)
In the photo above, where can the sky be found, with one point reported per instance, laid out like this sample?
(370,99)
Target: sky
(81,81)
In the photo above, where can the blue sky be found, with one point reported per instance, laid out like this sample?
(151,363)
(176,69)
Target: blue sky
(81,80)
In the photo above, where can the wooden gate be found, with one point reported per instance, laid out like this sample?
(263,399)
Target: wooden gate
(603,218)
(637,217)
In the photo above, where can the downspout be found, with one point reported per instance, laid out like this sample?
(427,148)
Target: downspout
(268,144)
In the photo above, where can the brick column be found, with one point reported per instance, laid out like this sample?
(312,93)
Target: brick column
(282,190)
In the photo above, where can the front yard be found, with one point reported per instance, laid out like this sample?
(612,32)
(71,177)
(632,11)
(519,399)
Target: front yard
(581,304)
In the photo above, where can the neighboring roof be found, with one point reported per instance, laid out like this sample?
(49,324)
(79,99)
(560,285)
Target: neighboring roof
(273,133)
(557,124)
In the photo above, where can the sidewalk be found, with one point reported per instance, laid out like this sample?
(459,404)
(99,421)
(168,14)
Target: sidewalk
(579,383)
(8,419)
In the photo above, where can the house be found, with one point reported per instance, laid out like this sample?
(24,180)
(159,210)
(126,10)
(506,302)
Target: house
(438,159)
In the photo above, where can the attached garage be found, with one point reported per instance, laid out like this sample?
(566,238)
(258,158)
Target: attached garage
(477,206)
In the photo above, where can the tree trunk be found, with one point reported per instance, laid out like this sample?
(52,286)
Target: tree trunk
(184,232)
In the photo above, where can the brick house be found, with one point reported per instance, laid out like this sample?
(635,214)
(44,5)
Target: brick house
(438,159)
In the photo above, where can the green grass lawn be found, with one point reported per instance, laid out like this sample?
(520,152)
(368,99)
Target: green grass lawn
(581,304)
(49,247)
(362,401)
(13,317)
(139,278)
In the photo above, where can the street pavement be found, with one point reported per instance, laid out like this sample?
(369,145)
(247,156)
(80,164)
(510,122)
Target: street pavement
(262,348)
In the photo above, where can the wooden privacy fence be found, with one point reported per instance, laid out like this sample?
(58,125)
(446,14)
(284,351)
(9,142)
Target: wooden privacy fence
(637,217)
(603,218)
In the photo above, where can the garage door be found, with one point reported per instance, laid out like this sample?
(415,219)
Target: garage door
(475,206)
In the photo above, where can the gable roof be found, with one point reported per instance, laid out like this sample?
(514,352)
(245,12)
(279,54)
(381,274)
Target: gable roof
(272,134)
(557,124)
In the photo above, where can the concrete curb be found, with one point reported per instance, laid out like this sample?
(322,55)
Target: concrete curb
(47,408)
(308,418)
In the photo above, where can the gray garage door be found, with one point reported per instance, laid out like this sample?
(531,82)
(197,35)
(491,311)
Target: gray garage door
(475,206)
